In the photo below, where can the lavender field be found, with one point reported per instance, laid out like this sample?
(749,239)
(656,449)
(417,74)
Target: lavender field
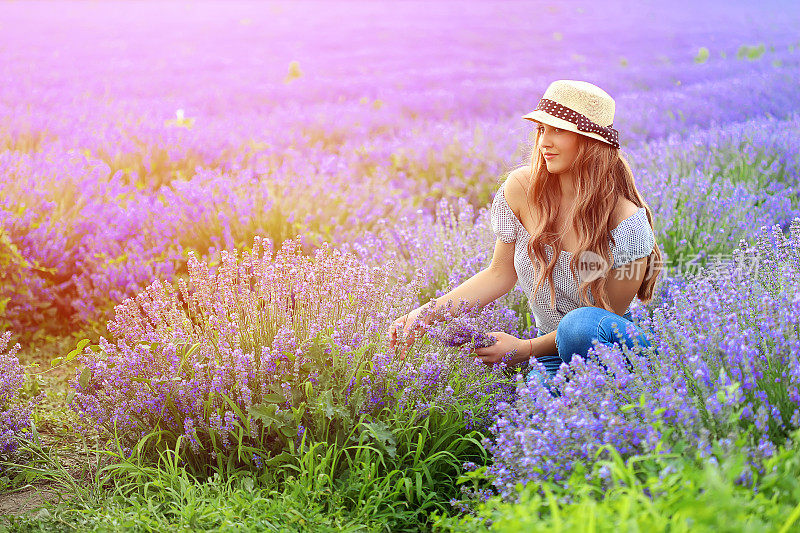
(210,214)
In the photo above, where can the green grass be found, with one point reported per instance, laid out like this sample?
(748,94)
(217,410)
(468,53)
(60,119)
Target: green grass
(363,487)
(675,492)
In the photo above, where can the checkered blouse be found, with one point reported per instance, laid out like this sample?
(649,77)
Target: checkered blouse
(634,238)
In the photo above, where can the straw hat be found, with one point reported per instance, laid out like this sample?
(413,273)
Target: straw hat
(578,106)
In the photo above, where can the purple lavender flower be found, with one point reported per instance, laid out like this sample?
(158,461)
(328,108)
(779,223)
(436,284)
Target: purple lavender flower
(15,412)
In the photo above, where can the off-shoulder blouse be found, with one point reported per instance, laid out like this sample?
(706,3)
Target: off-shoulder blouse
(634,239)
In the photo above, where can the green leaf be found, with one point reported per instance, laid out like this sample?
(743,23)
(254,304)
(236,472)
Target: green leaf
(264,413)
(383,436)
(298,412)
(281,458)
(273,398)
(188,353)
(329,407)
(84,378)
(146,381)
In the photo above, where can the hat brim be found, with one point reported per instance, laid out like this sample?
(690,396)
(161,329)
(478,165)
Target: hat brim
(556,122)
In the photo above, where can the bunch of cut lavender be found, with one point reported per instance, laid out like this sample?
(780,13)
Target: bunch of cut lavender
(467,326)
(459,332)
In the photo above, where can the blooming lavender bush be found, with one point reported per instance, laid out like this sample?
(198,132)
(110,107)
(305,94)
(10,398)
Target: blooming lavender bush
(711,188)
(15,414)
(675,491)
(737,326)
(245,360)
(14,266)
(727,371)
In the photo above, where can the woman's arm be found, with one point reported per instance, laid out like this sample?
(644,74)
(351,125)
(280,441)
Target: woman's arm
(487,285)
(544,345)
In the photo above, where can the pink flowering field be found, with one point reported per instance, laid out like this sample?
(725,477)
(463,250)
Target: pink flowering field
(211,212)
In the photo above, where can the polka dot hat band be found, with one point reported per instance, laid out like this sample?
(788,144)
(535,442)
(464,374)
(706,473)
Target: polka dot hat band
(578,106)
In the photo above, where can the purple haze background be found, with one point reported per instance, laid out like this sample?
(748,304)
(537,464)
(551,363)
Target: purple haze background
(135,132)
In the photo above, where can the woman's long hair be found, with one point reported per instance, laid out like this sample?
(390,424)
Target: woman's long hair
(602,176)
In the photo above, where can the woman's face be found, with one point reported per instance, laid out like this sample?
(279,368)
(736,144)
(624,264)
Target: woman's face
(558,147)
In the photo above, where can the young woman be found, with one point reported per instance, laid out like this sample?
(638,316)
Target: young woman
(573,230)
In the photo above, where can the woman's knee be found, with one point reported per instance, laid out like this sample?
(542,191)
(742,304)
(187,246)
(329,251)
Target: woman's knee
(575,331)
(576,322)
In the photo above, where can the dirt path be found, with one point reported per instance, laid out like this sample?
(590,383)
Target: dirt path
(27,499)
(55,431)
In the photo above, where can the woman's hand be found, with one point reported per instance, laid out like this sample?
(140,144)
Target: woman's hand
(409,327)
(505,344)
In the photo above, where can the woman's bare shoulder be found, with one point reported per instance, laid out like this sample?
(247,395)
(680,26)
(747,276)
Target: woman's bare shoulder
(624,210)
(515,188)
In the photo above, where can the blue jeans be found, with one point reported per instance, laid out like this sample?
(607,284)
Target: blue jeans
(575,333)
